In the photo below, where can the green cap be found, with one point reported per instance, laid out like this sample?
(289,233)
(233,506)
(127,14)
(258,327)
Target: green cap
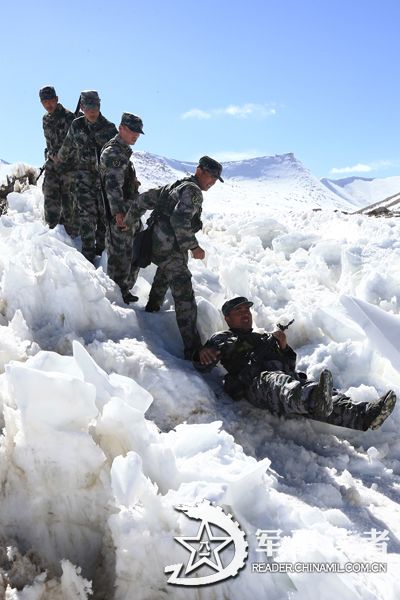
(133,122)
(47,93)
(90,99)
(233,303)
(212,166)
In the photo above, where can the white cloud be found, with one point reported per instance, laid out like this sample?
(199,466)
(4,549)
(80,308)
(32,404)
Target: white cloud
(248,110)
(233,110)
(363,167)
(358,168)
(196,113)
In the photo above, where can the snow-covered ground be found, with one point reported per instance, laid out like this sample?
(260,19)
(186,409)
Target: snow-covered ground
(364,190)
(107,428)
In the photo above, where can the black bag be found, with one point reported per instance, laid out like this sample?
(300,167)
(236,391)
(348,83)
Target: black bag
(142,242)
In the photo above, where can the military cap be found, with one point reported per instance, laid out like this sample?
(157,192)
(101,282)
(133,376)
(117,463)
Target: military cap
(90,99)
(47,93)
(233,303)
(133,122)
(212,166)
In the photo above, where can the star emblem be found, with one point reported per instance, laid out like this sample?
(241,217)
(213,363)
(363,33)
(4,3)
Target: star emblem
(205,548)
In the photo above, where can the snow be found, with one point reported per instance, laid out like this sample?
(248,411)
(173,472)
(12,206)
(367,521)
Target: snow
(107,429)
(363,191)
(16,169)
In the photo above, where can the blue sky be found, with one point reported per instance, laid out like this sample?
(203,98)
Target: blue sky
(231,79)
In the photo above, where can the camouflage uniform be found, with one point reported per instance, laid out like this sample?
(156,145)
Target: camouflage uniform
(265,375)
(58,185)
(86,140)
(121,187)
(177,219)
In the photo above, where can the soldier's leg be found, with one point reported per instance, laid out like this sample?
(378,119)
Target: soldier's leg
(119,256)
(52,196)
(101,221)
(279,393)
(362,415)
(132,276)
(289,394)
(158,290)
(133,270)
(87,205)
(180,281)
(75,216)
(67,202)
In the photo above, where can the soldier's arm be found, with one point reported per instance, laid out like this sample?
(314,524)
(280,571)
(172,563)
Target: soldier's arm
(47,138)
(205,359)
(113,170)
(140,204)
(105,134)
(69,118)
(68,147)
(286,351)
(189,202)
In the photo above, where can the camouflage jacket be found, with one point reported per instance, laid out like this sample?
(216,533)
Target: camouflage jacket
(118,174)
(86,140)
(246,354)
(177,216)
(55,128)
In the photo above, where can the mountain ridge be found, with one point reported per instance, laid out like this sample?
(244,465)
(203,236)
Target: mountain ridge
(273,176)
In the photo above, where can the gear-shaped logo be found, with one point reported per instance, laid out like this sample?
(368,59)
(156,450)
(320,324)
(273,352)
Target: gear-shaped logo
(207,547)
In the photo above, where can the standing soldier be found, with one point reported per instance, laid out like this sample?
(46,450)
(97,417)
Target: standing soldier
(121,189)
(176,220)
(86,137)
(58,179)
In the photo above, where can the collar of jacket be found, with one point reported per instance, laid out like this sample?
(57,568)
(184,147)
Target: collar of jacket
(97,122)
(241,331)
(124,145)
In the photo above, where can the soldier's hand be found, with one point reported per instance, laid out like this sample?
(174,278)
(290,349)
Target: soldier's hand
(198,253)
(119,219)
(280,336)
(55,159)
(208,356)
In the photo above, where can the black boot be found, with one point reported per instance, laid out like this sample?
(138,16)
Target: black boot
(380,411)
(128,297)
(321,396)
(151,307)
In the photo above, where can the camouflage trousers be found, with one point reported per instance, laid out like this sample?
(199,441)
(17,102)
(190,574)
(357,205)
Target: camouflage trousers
(119,250)
(91,213)
(174,273)
(287,394)
(59,199)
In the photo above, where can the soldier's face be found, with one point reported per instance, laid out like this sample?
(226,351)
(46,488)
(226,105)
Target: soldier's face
(240,317)
(205,179)
(129,137)
(50,105)
(91,114)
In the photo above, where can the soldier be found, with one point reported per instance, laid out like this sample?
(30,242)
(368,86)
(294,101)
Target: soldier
(261,369)
(86,137)
(58,179)
(121,188)
(176,220)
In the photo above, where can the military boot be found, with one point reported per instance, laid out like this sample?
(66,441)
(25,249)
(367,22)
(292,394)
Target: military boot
(381,410)
(321,403)
(151,307)
(128,297)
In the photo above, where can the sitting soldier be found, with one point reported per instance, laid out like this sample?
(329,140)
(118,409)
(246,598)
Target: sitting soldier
(261,369)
